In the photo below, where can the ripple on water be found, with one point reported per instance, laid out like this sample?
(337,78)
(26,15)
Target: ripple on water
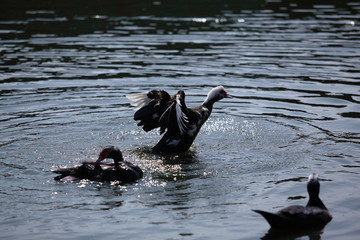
(292,69)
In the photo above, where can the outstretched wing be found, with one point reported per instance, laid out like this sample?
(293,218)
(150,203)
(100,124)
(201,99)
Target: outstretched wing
(138,100)
(151,107)
(175,117)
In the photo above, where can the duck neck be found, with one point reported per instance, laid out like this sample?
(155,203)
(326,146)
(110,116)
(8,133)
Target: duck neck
(118,158)
(116,164)
(208,103)
(315,201)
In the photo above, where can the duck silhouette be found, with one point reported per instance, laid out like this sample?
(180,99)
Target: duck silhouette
(157,109)
(312,216)
(120,170)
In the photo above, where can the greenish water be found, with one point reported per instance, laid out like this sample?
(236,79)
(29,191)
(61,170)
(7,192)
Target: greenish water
(292,68)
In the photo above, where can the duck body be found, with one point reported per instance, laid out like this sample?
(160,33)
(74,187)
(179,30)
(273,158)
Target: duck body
(120,170)
(175,141)
(180,124)
(312,216)
(297,217)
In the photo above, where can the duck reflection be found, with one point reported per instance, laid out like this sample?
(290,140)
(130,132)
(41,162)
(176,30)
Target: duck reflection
(289,235)
(108,205)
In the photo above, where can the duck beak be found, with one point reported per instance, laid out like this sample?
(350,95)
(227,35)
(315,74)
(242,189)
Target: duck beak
(99,160)
(226,95)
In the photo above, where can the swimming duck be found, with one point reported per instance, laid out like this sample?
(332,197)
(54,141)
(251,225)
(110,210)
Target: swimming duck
(157,109)
(313,216)
(120,170)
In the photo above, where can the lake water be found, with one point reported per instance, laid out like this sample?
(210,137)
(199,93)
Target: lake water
(292,67)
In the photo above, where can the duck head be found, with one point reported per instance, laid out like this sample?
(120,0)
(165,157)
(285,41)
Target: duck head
(313,185)
(110,152)
(216,94)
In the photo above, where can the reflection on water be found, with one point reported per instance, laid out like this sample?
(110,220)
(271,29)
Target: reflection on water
(311,234)
(291,66)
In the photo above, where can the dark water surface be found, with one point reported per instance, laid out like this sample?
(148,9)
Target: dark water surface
(292,67)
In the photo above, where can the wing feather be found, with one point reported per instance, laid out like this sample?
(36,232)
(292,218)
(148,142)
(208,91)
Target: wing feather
(175,116)
(181,117)
(150,107)
(138,100)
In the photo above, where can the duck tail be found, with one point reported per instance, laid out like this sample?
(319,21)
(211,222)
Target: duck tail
(273,219)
